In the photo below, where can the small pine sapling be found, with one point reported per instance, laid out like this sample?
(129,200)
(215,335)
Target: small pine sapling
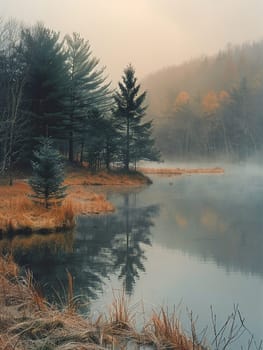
(48,175)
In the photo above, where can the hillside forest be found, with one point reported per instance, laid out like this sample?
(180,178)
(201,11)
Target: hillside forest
(211,106)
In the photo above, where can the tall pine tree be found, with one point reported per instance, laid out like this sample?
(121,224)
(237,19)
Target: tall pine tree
(88,90)
(47,80)
(130,110)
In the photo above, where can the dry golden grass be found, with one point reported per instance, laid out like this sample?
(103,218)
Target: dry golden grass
(104,178)
(182,171)
(165,332)
(121,319)
(19,213)
(28,321)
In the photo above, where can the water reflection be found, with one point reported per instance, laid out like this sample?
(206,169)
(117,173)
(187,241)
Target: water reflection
(218,219)
(127,247)
(100,247)
(198,224)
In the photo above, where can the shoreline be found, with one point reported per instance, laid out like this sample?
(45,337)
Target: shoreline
(28,321)
(182,171)
(20,215)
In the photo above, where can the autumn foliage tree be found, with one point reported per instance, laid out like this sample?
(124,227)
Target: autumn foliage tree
(210,106)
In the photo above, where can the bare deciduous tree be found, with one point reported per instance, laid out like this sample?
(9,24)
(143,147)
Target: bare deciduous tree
(13,78)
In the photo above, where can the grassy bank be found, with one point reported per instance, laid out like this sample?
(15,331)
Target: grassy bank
(19,214)
(182,171)
(27,321)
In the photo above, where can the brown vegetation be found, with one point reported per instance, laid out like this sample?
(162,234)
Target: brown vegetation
(18,213)
(27,321)
(182,171)
(82,176)
(165,331)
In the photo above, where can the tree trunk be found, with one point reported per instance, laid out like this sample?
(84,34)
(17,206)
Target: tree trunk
(46,201)
(107,157)
(81,152)
(127,155)
(71,142)
(71,148)
(10,170)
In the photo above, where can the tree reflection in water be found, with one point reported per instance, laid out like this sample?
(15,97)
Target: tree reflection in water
(100,247)
(127,246)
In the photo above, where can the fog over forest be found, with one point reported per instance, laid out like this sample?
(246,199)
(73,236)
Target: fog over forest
(150,34)
(210,106)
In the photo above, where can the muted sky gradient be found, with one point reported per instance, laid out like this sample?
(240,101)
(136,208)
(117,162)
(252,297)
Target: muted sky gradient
(150,34)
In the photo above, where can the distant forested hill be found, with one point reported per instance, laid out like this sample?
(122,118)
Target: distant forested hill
(211,105)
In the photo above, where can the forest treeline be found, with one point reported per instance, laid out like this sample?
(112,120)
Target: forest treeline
(211,106)
(53,87)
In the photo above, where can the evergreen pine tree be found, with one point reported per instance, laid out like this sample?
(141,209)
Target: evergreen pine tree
(130,110)
(48,174)
(47,80)
(87,90)
(112,139)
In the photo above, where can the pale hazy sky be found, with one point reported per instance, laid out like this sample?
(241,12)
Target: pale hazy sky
(150,34)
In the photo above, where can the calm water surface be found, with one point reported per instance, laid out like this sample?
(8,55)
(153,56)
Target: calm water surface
(190,240)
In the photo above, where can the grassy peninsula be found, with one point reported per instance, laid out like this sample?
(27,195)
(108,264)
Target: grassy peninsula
(19,214)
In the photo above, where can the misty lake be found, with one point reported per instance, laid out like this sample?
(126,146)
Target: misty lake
(192,241)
